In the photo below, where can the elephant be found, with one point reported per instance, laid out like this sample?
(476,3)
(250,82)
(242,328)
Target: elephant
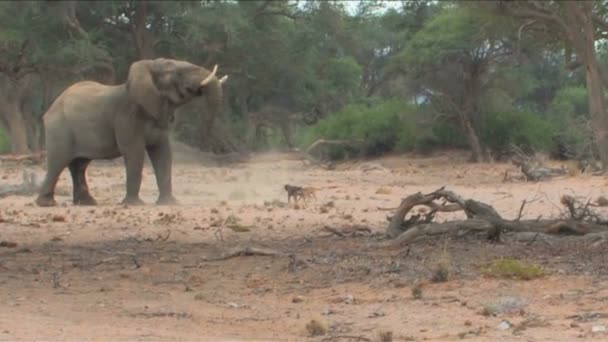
(92,121)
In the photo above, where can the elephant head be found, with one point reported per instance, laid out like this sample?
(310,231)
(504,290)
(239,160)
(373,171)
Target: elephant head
(161,85)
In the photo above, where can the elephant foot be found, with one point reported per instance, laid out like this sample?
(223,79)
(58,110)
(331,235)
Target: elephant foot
(85,199)
(132,201)
(167,200)
(46,201)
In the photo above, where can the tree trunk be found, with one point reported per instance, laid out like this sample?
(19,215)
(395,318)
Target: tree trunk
(595,91)
(477,154)
(251,122)
(144,41)
(207,122)
(597,108)
(17,129)
(13,94)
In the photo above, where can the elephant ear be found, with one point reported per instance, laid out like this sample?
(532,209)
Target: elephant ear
(142,89)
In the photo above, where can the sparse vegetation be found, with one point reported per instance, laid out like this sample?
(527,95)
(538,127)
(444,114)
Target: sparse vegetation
(417,291)
(489,309)
(384,127)
(513,269)
(440,273)
(316,328)
(441,269)
(384,336)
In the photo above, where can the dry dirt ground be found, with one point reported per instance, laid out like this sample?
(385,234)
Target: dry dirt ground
(114,273)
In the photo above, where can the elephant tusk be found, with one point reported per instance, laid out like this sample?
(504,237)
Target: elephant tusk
(223,79)
(210,77)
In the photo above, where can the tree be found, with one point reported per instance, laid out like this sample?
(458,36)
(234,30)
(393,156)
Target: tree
(37,46)
(579,24)
(454,61)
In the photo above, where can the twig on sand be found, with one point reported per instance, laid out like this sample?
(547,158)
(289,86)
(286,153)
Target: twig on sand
(247,251)
(346,337)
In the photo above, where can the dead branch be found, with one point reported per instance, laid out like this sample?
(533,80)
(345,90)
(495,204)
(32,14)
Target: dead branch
(348,231)
(482,217)
(346,337)
(248,251)
(324,142)
(309,156)
(28,187)
(461,227)
(33,158)
(471,208)
(394,227)
(532,168)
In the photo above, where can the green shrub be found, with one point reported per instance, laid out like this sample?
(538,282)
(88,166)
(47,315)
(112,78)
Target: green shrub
(382,126)
(513,269)
(569,114)
(525,129)
(5,143)
(440,135)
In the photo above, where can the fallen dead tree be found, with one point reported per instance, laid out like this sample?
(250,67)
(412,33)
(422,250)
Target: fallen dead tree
(532,168)
(33,158)
(28,187)
(308,154)
(579,219)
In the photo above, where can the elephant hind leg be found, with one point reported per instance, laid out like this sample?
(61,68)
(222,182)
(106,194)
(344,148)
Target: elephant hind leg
(82,196)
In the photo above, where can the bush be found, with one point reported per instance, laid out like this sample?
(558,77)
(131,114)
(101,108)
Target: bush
(440,135)
(383,127)
(513,269)
(5,144)
(524,129)
(569,114)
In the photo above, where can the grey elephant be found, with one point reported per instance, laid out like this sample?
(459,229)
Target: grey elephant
(90,121)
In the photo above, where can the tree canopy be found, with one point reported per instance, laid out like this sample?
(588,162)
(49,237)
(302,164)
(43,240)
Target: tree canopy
(412,75)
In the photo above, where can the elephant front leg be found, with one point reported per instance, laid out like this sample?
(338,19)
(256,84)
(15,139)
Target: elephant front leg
(134,163)
(161,159)
(56,163)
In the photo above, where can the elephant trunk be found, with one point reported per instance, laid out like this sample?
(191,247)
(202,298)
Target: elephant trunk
(215,97)
(214,108)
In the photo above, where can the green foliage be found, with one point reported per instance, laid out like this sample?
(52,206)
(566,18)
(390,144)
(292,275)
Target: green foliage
(451,32)
(569,114)
(513,269)
(525,129)
(383,127)
(5,144)
(440,135)
(318,58)
(569,102)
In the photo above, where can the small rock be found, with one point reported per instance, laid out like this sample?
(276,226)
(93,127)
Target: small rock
(504,325)
(376,314)
(58,218)
(328,312)
(468,323)
(574,325)
(297,299)
(598,328)
(8,244)
(349,299)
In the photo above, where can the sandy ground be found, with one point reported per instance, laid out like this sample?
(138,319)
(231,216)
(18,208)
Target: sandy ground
(146,273)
